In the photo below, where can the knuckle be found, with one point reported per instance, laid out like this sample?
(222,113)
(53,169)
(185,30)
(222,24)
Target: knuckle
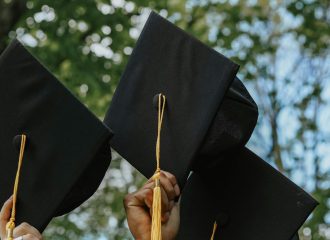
(24,226)
(127,199)
(172,177)
(162,174)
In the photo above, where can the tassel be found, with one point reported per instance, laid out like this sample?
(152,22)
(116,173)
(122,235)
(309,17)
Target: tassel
(11,224)
(215,226)
(156,223)
(10,229)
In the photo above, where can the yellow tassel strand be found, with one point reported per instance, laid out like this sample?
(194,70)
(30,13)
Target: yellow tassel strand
(156,233)
(156,225)
(215,226)
(11,224)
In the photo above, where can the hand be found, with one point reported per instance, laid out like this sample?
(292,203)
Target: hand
(23,230)
(138,207)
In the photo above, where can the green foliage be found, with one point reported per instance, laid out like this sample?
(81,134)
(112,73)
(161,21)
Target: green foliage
(283,47)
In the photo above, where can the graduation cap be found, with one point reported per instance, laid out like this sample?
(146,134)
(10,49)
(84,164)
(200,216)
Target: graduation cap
(233,194)
(241,197)
(192,80)
(233,124)
(167,106)
(54,146)
(296,237)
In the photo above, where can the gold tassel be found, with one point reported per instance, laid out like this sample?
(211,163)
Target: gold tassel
(156,224)
(215,226)
(11,224)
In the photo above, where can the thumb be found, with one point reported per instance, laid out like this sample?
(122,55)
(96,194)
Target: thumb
(5,215)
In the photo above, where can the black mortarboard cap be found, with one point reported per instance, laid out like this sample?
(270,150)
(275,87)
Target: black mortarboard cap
(193,77)
(233,124)
(295,237)
(67,151)
(246,197)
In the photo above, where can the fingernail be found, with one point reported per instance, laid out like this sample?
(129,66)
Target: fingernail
(177,189)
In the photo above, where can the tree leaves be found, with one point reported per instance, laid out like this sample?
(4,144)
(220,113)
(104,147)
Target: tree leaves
(283,49)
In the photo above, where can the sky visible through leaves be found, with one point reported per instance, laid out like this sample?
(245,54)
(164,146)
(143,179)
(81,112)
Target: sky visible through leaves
(282,46)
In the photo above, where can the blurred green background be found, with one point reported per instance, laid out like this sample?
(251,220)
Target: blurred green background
(282,46)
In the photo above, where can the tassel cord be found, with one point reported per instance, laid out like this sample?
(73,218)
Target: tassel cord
(11,224)
(156,224)
(215,226)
